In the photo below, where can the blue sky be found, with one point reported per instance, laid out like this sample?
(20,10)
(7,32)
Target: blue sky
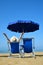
(13,10)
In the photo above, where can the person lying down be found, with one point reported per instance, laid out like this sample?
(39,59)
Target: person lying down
(13,38)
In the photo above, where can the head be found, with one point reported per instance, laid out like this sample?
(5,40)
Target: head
(14,39)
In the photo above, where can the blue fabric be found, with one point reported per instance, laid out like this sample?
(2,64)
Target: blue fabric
(15,47)
(23,26)
(27,45)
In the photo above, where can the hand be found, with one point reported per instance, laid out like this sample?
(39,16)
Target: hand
(8,41)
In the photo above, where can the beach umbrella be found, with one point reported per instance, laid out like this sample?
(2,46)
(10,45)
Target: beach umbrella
(23,26)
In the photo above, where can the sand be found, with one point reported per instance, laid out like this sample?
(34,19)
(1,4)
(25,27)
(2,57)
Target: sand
(27,60)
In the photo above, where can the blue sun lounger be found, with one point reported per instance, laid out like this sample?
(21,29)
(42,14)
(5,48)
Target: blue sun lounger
(29,45)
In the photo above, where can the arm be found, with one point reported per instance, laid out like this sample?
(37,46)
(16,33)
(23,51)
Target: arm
(7,40)
(20,36)
(6,37)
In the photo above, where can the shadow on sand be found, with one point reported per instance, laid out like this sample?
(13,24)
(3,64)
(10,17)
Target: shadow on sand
(17,56)
(39,55)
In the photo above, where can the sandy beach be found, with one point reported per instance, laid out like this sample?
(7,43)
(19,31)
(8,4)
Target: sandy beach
(27,60)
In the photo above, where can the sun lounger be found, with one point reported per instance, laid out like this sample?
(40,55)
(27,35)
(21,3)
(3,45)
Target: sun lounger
(29,45)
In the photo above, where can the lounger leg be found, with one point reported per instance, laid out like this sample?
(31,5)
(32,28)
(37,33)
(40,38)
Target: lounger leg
(9,50)
(33,55)
(21,52)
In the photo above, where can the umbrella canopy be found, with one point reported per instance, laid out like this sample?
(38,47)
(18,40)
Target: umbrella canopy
(23,26)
